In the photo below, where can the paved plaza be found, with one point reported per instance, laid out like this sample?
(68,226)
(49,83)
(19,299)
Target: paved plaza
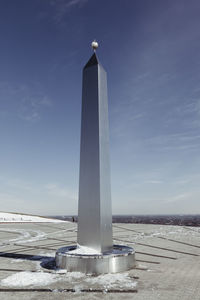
(168,263)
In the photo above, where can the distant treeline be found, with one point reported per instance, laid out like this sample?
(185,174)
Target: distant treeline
(181,220)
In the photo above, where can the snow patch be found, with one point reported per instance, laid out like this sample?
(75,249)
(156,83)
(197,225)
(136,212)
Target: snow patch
(84,250)
(79,280)
(75,275)
(166,231)
(29,278)
(25,236)
(113,281)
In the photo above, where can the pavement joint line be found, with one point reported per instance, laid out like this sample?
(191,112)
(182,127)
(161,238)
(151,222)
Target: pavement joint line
(167,249)
(126,229)
(73,229)
(55,239)
(11,232)
(17,244)
(117,231)
(180,242)
(33,248)
(44,245)
(13,250)
(45,234)
(56,232)
(66,230)
(141,269)
(24,248)
(30,249)
(45,225)
(65,241)
(191,229)
(126,236)
(159,237)
(71,290)
(156,255)
(147,261)
(128,242)
(20,248)
(156,247)
(52,245)
(68,236)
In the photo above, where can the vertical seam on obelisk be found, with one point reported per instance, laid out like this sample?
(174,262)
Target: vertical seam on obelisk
(98,76)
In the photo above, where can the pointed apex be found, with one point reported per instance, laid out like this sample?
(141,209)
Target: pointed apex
(92,61)
(94,45)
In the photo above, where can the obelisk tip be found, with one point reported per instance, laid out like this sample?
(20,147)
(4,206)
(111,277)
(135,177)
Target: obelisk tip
(94,45)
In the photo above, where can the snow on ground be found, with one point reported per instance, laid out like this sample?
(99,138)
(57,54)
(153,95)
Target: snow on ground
(29,278)
(109,281)
(79,280)
(24,236)
(170,231)
(12,217)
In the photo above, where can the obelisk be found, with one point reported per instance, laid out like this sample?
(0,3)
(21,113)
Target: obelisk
(94,212)
(94,252)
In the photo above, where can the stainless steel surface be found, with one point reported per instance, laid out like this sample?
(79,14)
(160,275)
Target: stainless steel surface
(121,258)
(95,212)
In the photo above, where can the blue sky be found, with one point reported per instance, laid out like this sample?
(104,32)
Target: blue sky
(151,51)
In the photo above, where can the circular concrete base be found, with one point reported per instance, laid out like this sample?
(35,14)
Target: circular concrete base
(121,258)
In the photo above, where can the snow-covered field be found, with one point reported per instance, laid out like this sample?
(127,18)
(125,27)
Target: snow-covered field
(20,218)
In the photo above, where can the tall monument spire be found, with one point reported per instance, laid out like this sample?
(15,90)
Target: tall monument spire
(94,207)
(94,213)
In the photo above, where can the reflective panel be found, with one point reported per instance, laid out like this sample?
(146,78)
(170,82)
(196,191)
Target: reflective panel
(95,212)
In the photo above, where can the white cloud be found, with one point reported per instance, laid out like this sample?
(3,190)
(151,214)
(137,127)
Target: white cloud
(31,106)
(17,184)
(62,7)
(54,189)
(175,141)
(179,197)
(45,101)
(153,181)
(24,101)
(75,2)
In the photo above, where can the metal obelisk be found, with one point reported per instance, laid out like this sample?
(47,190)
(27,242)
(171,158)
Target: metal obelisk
(95,252)
(95,213)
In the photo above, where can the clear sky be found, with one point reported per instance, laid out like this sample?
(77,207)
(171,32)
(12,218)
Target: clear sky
(151,51)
